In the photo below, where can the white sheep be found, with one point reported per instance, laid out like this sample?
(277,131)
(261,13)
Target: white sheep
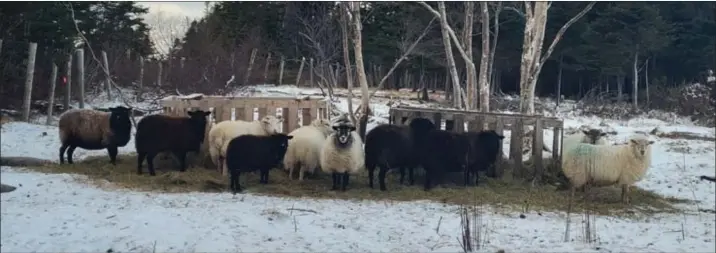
(591,136)
(342,153)
(604,165)
(223,132)
(304,150)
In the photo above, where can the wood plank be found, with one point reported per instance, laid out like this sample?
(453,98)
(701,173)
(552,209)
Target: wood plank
(537,146)
(240,113)
(226,113)
(307,116)
(292,118)
(557,149)
(499,170)
(284,116)
(449,124)
(249,114)
(263,112)
(459,123)
(218,114)
(516,149)
(437,120)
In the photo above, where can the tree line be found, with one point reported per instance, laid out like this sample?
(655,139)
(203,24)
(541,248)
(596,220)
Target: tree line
(662,44)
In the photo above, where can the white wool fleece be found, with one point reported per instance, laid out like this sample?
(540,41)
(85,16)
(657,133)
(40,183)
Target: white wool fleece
(304,150)
(223,132)
(605,165)
(349,159)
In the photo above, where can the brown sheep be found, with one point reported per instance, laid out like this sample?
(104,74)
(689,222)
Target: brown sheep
(179,135)
(93,130)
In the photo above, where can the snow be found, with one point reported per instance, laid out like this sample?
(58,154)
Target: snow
(59,212)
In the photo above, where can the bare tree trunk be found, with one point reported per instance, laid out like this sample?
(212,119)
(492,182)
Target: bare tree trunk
(107,75)
(484,61)
(159,73)
(360,68)
(29,75)
(251,66)
(471,80)
(266,67)
(620,87)
(559,80)
(347,62)
(310,74)
(300,71)
(81,75)
(635,80)
(0,46)
(532,58)
(445,30)
(51,99)
(280,71)
(491,62)
(141,72)
(646,81)
(68,84)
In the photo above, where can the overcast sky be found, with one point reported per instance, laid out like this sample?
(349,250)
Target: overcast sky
(162,18)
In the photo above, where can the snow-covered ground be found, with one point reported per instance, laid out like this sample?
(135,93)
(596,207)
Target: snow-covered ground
(56,212)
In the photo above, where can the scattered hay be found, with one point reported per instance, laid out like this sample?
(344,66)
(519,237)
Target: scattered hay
(504,193)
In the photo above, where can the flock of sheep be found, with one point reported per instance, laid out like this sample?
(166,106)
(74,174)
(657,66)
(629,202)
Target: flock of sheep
(335,147)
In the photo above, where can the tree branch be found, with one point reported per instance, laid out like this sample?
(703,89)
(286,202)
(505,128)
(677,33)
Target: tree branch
(562,30)
(403,57)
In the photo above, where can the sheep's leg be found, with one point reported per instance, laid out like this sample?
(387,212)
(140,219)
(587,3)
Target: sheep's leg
(625,194)
(371,172)
(63,148)
(301,172)
(140,159)
(477,177)
(112,151)
(381,178)
(234,184)
(150,164)
(428,178)
(468,176)
(346,176)
(182,160)
(411,175)
(264,176)
(335,181)
(70,151)
(402,175)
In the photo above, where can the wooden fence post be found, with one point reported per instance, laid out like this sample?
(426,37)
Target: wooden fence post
(68,85)
(300,70)
(108,81)
(0,46)
(29,74)
(159,73)
(81,75)
(141,72)
(280,72)
(51,100)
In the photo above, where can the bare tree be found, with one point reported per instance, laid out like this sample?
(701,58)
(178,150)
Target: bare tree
(532,59)
(484,60)
(354,8)
(447,33)
(317,32)
(165,29)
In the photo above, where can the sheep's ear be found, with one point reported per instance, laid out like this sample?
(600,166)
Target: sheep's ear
(501,137)
(602,134)
(585,132)
(633,142)
(207,113)
(335,128)
(651,142)
(289,137)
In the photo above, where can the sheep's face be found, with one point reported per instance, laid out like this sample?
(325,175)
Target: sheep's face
(271,124)
(639,146)
(280,146)
(119,116)
(344,133)
(198,120)
(591,136)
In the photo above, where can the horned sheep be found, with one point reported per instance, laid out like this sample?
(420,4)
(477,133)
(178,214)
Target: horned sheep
(604,165)
(91,129)
(342,153)
(223,132)
(159,133)
(304,150)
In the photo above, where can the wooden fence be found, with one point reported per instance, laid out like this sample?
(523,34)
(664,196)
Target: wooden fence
(497,122)
(295,112)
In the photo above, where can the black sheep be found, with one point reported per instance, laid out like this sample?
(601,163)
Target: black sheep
(179,135)
(483,151)
(392,146)
(441,151)
(248,153)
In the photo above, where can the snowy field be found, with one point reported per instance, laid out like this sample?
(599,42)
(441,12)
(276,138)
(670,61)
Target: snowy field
(58,213)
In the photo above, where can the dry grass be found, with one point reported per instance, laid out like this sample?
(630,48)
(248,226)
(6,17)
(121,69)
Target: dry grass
(5,119)
(497,193)
(685,136)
